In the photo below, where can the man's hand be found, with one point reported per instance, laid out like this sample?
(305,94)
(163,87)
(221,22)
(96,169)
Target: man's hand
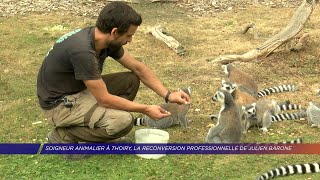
(179,97)
(156,112)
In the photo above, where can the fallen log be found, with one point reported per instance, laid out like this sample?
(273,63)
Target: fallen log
(158,32)
(295,25)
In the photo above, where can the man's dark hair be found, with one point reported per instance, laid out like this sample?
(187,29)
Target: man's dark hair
(117,15)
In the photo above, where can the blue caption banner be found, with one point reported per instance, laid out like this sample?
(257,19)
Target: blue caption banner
(174,148)
(19,148)
(166,149)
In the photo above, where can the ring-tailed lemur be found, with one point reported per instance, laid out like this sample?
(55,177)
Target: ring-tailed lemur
(265,111)
(260,113)
(243,98)
(240,97)
(290,170)
(244,81)
(247,84)
(178,115)
(248,118)
(228,128)
(313,115)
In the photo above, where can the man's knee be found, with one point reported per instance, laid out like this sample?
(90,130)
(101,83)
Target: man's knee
(134,78)
(134,83)
(123,125)
(125,129)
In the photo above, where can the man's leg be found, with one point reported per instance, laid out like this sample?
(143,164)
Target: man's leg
(111,125)
(107,124)
(123,84)
(88,122)
(98,125)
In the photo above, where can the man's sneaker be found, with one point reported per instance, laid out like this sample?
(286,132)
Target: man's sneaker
(54,137)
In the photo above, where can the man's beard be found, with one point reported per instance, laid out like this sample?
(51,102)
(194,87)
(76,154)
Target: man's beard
(114,45)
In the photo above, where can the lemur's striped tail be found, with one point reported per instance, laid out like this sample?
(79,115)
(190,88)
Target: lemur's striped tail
(295,141)
(288,116)
(276,89)
(287,107)
(138,121)
(290,170)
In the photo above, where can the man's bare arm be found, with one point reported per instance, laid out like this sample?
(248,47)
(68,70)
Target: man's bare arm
(105,99)
(148,78)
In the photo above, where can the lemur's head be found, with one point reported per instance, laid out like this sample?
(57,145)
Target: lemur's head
(250,110)
(228,86)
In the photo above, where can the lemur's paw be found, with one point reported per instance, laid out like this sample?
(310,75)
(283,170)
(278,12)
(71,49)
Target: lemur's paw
(264,130)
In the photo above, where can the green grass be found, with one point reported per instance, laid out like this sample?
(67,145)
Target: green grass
(26,40)
(132,167)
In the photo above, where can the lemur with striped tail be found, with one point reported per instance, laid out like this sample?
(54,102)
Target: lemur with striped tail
(290,170)
(247,105)
(228,127)
(244,81)
(178,115)
(247,84)
(243,98)
(240,97)
(263,112)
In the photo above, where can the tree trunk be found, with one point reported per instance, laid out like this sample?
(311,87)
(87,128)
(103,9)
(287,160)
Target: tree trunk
(292,29)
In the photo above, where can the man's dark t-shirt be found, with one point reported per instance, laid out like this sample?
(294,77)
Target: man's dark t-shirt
(71,60)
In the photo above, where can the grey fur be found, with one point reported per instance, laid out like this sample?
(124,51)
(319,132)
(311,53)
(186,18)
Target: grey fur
(244,81)
(178,115)
(264,120)
(313,115)
(240,98)
(228,128)
(260,113)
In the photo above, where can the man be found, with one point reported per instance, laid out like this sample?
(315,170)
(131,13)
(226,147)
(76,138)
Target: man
(82,104)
